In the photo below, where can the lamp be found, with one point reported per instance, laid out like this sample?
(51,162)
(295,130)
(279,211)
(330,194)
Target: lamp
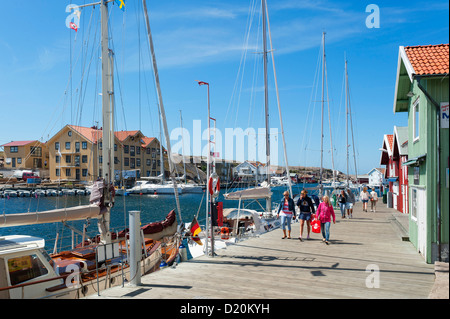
(410,94)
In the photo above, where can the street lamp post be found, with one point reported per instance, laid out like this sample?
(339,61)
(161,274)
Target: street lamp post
(207,176)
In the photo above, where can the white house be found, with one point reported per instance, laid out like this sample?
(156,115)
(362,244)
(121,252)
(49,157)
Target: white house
(376,177)
(250,171)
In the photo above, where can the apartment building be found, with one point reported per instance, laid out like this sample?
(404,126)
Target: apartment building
(30,155)
(75,154)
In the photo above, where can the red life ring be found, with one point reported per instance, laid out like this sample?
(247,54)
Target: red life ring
(214,185)
(225,233)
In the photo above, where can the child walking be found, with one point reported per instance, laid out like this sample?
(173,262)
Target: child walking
(324,213)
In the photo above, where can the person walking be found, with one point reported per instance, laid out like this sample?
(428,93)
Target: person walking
(306,207)
(350,202)
(365,196)
(324,213)
(342,200)
(286,210)
(373,201)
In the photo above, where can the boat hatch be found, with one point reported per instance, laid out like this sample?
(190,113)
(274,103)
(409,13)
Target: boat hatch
(20,242)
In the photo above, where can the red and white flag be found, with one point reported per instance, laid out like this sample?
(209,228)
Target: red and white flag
(73,26)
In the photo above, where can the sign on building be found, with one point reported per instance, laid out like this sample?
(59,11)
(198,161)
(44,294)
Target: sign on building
(444,114)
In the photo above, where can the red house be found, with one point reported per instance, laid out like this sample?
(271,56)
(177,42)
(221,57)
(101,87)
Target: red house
(394,154)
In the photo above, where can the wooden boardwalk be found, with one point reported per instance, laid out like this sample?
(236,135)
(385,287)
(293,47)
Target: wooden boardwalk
(269,267)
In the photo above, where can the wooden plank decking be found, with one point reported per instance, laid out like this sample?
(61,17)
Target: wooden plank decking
(271,267)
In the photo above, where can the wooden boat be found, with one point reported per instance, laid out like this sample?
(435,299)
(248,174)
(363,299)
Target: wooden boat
(27,271)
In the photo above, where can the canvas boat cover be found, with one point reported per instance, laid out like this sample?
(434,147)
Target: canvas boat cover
(251,193)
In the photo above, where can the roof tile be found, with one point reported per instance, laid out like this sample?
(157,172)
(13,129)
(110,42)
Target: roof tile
(429,59)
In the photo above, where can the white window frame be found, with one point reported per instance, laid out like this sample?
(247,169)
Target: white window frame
(416,132)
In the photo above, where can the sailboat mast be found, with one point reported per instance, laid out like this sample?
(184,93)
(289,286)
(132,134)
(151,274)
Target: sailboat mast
(346,116)
(321,131)
(182,148)
(161,106)
(279,108)
(266,96)
(107,117)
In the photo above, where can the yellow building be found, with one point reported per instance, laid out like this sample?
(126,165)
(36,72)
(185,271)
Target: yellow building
(29,155)
(75,154)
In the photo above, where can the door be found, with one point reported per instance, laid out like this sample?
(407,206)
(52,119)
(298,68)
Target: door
(421,221)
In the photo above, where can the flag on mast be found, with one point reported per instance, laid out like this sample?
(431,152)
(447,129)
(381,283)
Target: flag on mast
(73,26)
(121,4)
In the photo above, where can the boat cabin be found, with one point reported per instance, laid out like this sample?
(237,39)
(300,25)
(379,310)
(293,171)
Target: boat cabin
(25,268)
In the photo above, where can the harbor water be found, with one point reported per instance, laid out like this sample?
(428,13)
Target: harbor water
(153,208)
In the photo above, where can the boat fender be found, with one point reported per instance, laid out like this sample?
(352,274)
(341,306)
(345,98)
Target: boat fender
(214,185)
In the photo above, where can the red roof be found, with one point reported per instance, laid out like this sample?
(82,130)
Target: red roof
(19,143)
(429,59)
(93,134)
(390,138)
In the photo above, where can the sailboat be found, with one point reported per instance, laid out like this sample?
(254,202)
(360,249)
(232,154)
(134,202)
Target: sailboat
(262,220)
(28,271)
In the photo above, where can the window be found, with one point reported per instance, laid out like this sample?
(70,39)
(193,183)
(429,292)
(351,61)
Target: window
(416,119)
(84,159)
(131,150)
(84,145)
(115,147)
(13,149)
(84,172)
(126,161)
(68,159)
(138,162)
(126,149)
(77,147)
(67,145)
(138,150)
(58,172)
(77,160)
(414,203)
(69,133)
(67,172)
(19,160)
(56,145)
(35,151)
(57,159)
(132,163)
(25,268)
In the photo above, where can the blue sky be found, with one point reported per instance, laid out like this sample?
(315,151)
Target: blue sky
(205,40)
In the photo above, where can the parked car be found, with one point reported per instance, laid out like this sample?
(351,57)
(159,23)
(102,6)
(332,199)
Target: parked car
(27,175)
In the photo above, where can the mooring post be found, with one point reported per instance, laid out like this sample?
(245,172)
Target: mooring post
(135,248)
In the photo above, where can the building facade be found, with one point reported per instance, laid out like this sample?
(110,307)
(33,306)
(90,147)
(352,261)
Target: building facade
(422,90)
(26,155)
(75,154)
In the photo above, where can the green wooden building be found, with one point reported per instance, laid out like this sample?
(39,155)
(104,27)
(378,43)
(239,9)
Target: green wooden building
(422,90)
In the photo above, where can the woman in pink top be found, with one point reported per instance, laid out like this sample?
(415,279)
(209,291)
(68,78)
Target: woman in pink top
(324,213)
